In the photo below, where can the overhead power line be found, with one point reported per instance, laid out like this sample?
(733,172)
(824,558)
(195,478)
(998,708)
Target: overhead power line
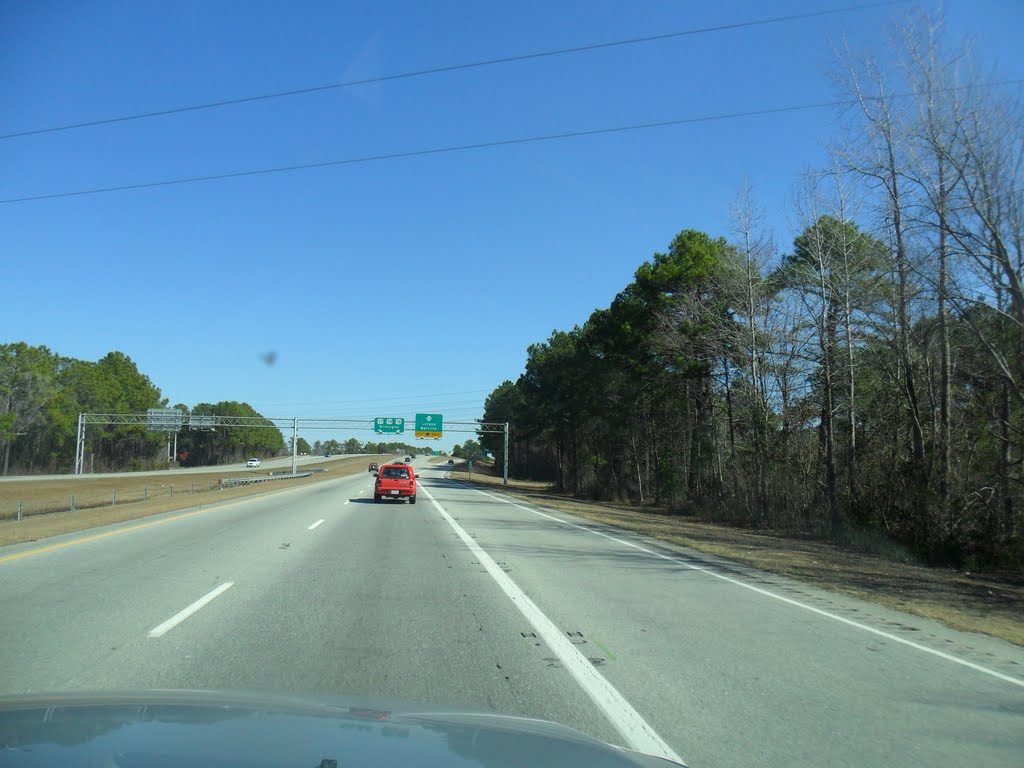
(454,68)
(372,400)
(467,147)
(424,152)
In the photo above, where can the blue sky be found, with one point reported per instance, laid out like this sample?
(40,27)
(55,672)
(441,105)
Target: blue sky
(405,285)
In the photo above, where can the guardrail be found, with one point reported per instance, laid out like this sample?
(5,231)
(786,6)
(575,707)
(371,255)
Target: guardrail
(15,509)
(233,481)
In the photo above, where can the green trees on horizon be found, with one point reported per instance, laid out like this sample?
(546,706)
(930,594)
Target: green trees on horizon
(870,377)
(42,393)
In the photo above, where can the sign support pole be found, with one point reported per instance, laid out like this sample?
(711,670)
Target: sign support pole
(80,446)
(504,463)
(295,443)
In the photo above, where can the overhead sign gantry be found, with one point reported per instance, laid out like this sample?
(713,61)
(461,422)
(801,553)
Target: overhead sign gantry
(172,420)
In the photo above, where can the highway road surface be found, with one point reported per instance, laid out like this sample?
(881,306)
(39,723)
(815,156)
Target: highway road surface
(474,599)
(277,463)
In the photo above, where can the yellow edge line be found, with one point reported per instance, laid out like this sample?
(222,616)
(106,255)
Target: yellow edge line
(215,507)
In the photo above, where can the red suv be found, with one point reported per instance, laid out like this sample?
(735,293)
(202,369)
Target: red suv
(395,481)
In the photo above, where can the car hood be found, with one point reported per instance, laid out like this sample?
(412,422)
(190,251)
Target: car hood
(221,730)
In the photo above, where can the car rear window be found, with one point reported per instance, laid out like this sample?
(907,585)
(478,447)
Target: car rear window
(396,472)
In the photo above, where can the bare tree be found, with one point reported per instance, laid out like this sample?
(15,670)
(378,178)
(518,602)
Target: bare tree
(754,255)
(987,224)
(811,271)
(932,139)
(878,155)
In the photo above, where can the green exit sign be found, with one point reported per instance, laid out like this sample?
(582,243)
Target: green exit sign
(389,425)
(429,424)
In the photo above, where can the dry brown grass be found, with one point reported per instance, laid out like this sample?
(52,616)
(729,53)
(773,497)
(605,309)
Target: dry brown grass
(46,495)
(989,603)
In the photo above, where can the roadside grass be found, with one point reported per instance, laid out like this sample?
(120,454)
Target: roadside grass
(46,503)
(867,566)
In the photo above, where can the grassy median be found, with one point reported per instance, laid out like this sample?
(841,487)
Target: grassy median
(46,504)
(988,603)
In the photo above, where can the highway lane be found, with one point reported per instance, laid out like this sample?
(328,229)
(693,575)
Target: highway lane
(378,600)
(392,600)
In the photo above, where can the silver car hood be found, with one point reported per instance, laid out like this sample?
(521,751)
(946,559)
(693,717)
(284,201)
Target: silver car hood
(214,729)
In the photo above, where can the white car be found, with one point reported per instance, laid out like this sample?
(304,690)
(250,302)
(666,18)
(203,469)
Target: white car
(252,463)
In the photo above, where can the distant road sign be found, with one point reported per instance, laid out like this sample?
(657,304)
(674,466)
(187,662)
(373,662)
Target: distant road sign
(389,425)
(163,419)
(429,424)
(200,422)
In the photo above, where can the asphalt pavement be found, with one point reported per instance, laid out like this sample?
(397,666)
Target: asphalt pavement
(470,598)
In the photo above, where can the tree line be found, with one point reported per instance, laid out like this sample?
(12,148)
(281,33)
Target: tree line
(42,393)
(352,445)
(869,377)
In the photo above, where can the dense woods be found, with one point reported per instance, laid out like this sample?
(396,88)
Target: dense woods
(42,393)
(865,379)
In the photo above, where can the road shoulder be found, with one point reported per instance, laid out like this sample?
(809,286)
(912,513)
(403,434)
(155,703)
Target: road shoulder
(986,603)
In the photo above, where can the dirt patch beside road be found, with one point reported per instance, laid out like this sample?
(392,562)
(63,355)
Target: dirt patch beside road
(989,603)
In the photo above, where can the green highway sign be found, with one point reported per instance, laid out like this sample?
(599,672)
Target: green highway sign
(389,425)
(163,419)
(429,424)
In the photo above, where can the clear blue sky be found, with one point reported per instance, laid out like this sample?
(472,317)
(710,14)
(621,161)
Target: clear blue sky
(404,285)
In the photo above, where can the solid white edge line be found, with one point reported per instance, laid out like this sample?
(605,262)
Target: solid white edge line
(788,600)
(314,525)
(638,734)
(180,616)
(491,496)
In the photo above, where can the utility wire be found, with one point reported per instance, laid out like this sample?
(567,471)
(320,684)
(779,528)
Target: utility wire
(467,147)
(371,400)
(422,152)
(453,68)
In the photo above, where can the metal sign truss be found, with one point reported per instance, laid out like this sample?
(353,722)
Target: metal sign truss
(207,422)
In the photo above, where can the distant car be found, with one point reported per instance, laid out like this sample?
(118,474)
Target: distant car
(407,459)
(327,455)
(373,467)
(253,462)
(451,461)
(395,481)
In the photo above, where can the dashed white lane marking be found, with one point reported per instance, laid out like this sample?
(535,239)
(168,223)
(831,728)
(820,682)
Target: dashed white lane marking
(314,525)
(180,616)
